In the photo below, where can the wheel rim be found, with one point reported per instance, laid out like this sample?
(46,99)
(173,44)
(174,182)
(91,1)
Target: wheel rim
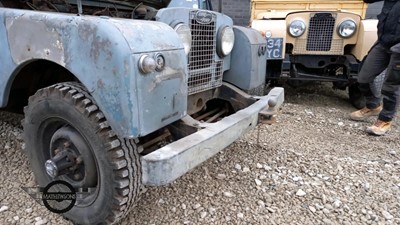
(68,143)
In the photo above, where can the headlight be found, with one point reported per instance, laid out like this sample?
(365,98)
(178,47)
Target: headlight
(185,34)
(226,39)
(297,28)
(347,28)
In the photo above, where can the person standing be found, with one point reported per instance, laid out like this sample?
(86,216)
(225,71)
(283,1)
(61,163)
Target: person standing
(384,54)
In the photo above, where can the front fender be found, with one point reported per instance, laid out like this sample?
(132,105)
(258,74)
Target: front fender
(103,54)
(367,36)
(248,61)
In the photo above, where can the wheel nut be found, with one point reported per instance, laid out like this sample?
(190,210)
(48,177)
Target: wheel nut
(51,168)
(79,160)
(77,176)
(67,144)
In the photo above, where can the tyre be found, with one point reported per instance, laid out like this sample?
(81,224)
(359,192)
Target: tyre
(357,99)
(65,129)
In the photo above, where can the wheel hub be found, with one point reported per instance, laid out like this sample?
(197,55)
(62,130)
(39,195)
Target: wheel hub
(64,162)
(71,158)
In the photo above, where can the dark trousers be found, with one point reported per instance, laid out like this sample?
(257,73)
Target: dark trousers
(380,58)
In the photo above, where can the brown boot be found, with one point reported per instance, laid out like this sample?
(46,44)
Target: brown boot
(379,128)
(364,113)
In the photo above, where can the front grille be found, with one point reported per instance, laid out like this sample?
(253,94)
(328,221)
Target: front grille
(320,32)
(205,72)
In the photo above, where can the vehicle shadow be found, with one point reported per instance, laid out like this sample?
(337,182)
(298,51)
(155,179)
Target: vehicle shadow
(317,95)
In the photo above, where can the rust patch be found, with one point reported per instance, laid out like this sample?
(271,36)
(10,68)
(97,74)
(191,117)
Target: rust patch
(86,31)
(32,38)
(169,116)
(99,45)
(168,74)
(100,84)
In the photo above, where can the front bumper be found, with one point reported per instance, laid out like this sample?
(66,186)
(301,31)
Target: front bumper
(174,160)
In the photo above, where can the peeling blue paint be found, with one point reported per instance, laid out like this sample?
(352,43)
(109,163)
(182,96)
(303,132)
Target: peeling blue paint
(103,55)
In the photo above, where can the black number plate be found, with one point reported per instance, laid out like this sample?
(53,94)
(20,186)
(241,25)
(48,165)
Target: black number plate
(274,48)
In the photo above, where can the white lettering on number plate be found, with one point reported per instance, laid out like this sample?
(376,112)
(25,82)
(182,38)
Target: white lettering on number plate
(274,48)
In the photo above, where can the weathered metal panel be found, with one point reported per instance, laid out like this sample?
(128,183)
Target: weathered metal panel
(100,52)
(7,65)
(48,45)
(163,95)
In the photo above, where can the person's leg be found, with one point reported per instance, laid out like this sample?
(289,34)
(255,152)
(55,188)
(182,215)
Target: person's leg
(391,89)
(377,60)
(391,97)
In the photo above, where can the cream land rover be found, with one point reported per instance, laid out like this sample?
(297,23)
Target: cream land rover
(316,40)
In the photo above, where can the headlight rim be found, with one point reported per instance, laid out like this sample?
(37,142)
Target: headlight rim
(290,25)
(220,50)
(340,25)
(176,27)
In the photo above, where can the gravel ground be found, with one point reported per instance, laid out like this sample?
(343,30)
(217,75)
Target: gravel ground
(314,166)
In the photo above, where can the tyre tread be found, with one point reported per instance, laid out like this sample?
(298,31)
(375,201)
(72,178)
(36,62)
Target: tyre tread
(123,153)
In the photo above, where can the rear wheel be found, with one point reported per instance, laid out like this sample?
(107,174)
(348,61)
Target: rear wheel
(69,139)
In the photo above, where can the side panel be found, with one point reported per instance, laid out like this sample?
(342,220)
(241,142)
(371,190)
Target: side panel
(366,38)
(101,53)
(7,65)
(162,95)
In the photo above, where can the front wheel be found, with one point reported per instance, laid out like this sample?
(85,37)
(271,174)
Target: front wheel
(356,98)
(68,138)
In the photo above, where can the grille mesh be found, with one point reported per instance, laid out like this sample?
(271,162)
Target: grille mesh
(204,71)
(336,48)
(320,32)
